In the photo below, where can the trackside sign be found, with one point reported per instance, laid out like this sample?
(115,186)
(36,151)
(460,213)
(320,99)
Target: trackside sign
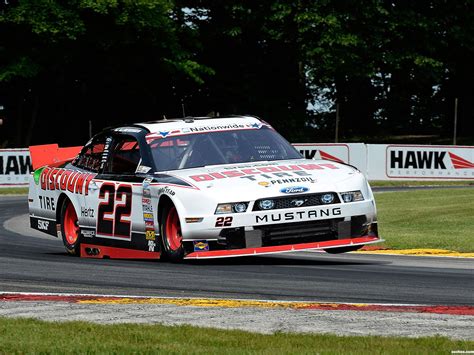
(15,166)
(431,162)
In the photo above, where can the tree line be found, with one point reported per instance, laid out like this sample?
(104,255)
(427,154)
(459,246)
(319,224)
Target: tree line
(388,67)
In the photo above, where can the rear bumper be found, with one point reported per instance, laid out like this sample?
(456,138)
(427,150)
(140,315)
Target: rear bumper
(284,248)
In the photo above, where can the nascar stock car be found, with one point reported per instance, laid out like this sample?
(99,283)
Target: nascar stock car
(197,188)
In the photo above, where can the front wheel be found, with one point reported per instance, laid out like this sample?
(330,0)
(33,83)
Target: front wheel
(171,237)
(70,228)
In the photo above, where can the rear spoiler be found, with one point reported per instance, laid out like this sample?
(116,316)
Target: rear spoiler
(51,154)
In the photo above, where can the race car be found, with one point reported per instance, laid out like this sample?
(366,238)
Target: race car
(197,188)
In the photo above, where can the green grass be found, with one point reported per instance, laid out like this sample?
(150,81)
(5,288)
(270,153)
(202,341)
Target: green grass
(14,191)
(33,336)
(439,219)
(379,183)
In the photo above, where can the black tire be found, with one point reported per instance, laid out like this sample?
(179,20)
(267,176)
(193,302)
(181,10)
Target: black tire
(343,249)
(70,229)
(171,239)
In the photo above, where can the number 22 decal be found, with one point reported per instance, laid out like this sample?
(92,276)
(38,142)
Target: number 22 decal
(115,205)
(224,221)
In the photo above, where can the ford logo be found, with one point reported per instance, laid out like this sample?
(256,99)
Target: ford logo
(294,189)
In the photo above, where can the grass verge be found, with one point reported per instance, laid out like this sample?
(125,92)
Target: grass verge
(14,191)
(380,183)
(433,219)
(34,336)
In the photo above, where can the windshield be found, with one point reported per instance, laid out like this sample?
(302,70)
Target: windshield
(224,147)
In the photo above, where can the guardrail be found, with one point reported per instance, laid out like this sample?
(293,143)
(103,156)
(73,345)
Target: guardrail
(376,161)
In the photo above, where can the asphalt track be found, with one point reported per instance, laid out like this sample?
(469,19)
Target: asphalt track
(30,262)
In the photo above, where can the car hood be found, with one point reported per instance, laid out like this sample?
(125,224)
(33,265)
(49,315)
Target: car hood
(256,180)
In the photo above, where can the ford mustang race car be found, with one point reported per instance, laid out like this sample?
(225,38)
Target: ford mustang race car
(197,188)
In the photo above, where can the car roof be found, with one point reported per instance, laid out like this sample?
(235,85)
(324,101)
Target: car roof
(205,123)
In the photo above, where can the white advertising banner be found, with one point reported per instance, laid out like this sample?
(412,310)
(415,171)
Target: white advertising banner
(420,162)
(15,166)
(351,153)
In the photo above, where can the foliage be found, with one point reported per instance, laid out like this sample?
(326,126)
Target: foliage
(393,67)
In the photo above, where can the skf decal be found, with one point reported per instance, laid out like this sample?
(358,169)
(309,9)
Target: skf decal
(65,180)
(43,225)
(298,215)
(268,172)
(201,245)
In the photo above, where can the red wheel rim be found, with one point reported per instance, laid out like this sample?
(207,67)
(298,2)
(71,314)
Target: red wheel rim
(71,229)
(173,230)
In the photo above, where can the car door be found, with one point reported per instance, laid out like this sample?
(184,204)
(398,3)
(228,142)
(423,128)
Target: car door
(117,191)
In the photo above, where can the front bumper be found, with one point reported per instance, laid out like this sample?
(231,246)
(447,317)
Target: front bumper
(283,248)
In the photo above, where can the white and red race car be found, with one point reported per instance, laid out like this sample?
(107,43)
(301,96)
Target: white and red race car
(197,188)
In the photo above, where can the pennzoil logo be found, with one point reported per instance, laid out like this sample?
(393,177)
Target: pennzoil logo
(65,180)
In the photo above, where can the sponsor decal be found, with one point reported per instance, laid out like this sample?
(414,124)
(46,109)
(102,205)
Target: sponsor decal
(105,153)
(65,180)
(264,183)
(143,169)
(151,245)
(150,235)
(128,130)
(147,208)
(148,216)
(429,162)
(294,189)
(43,225)
(201,245)
(150,232)
(47,203)
(267,172)
(298,215)
(87,212)
(293,180)
(88,233)
(166,190)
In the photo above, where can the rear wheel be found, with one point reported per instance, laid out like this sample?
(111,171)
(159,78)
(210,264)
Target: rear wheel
(70,228)
(171,237)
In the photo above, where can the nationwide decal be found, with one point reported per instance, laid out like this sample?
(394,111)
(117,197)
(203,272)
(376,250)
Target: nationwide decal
(65,180)
(298,215)
(316,154)
(268,172)
(429,162)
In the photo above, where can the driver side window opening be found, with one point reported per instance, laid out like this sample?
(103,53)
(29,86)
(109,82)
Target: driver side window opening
(124,156)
